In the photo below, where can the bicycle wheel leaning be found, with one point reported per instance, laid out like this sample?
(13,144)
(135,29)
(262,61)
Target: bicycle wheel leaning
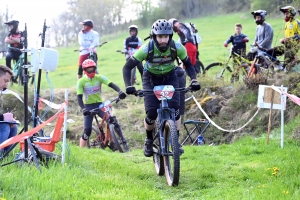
(157,157)
(118,138)
(172,159)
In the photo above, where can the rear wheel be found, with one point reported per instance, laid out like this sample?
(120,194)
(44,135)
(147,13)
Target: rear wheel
(172,159)
(157,157)
(96,142)
(219,71)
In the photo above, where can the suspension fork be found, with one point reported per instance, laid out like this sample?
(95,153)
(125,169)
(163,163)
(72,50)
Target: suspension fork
(163,115)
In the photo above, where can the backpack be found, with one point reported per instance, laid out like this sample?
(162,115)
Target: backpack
(150,55)
(191,26)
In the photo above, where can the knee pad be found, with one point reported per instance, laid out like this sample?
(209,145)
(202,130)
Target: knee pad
(86,134)
(151,116)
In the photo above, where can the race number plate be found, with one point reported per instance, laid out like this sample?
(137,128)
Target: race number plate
(163,92)
(106,106)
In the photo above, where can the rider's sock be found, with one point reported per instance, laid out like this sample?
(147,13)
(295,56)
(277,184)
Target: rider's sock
(149,134)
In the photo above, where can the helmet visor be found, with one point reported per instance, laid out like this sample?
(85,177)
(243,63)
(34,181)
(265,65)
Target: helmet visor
(90,70)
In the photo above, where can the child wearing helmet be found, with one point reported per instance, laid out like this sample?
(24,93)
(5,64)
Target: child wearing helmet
(131,45)
(160,70)
(89,86)
(14,39)
(264,32)
(88,40)
(291,38)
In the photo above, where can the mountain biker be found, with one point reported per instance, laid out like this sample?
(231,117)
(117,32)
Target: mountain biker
(159,71)
(14,39)
(291,38)
(186,39)
(264,32)
(238,41)
(89,85)
(88,39)
(7,130)
(131,44)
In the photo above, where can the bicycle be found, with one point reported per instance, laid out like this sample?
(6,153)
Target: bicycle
(133,71)
(262,67)
(113,131)
(18,68)
(166,153)
(239,62)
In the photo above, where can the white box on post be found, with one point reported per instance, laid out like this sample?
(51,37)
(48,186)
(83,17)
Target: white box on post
(48,59)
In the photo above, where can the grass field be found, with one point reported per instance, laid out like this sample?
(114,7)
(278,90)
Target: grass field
(247,169)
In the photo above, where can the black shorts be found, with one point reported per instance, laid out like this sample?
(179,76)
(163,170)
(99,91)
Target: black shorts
(150,80)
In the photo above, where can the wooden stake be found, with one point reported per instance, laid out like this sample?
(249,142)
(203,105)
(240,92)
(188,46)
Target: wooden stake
(270,117)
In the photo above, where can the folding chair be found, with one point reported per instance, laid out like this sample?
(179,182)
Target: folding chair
(48,143)
(198,127)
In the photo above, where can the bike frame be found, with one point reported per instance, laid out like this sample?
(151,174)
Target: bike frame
(234,56)
(106,109)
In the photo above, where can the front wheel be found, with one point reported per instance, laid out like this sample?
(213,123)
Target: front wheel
(118,138)
(172,157)
(157,156)
(219,70)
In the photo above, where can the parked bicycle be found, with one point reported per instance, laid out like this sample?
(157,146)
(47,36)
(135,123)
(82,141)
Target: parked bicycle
(113,133)
(225,70)
(166,153)
(18,68)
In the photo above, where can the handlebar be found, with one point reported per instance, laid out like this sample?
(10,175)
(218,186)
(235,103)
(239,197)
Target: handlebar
(122,51)
(95,110)
(100,45)
(142,93)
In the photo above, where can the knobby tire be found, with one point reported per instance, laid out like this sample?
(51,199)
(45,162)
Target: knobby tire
(157,157)
(172,159)
(118,138)
(95,130)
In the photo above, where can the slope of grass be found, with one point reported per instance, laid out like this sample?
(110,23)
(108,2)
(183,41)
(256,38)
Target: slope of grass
(247,169)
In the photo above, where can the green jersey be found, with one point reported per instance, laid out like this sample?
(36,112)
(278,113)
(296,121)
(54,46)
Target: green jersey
(162,62)
(91,88)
